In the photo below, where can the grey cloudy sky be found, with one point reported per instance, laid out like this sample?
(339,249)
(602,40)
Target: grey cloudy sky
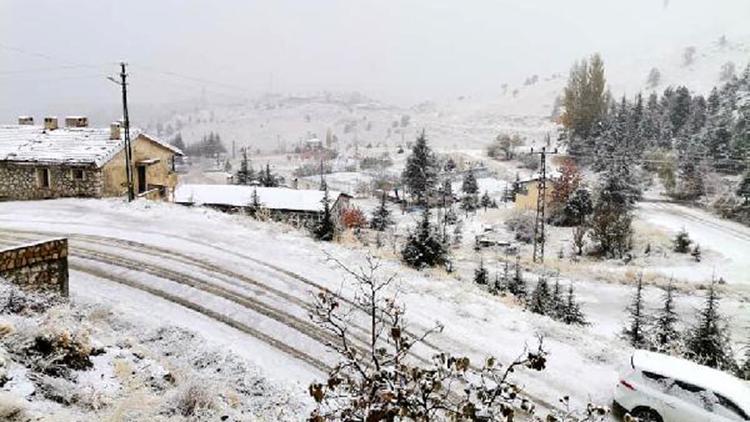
(55,53)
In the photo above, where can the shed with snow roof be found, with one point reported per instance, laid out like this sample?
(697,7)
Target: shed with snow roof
(39,162)
(282,203)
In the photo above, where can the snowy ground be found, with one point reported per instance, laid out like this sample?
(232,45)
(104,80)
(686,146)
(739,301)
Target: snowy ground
(248,287)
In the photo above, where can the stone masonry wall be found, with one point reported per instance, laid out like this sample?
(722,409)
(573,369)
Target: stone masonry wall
(42,265)
(21,181)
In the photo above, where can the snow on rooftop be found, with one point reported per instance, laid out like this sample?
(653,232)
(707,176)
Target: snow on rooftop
(69,145)
(241,196)
(699,375)
(64,145)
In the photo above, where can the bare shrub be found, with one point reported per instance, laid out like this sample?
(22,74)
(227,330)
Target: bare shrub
(193,399)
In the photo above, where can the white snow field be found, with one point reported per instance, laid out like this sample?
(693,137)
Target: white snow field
(728,239)
(247,285)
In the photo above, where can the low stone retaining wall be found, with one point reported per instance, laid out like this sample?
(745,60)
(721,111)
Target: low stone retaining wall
(41,265)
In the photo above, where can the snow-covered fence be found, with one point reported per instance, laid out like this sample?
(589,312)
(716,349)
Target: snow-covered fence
(40,265)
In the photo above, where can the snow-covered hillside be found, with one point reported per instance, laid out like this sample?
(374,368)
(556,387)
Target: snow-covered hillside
(523,107)
(246,286)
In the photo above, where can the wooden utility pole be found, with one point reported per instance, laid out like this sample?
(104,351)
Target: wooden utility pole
(126,123)
(541,200)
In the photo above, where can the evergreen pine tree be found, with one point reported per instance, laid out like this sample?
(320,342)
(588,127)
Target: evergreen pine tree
(268,179)
(682,242)
(243,174)
(665,325)
(468,203)
(540,298)
(486,201)
(420,173)
(381,217)
(516,284)
(423,247)
(696,253)
(571,310)
(556,301)
(635,332)
(325,227)
(708,342)
(480,274)
(255,204)
(470,185)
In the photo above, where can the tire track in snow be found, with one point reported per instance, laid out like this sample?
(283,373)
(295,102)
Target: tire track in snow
(198,262)
(107,275)
(175,276)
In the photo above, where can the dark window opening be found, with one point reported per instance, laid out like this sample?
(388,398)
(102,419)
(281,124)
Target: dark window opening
(43,178)
(78,174)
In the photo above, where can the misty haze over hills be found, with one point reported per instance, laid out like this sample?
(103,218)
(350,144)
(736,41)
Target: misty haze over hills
(401,53)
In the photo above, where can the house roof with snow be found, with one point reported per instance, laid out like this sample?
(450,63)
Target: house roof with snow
(551,175)
(280,199)
(68,145)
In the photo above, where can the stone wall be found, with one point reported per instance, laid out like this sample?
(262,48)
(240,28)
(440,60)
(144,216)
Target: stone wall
(42,265)
(21,181)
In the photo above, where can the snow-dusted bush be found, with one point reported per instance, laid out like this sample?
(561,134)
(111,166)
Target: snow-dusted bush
(522,225)
(193,399)
(14,300)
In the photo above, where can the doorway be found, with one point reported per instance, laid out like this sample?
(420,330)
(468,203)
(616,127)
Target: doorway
(141,179)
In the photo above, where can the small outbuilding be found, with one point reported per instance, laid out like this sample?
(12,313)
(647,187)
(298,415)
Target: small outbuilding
(282,203)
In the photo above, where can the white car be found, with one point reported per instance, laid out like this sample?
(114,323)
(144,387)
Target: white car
(660,388)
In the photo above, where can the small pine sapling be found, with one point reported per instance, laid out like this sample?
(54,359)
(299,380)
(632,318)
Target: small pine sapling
(480,274)
(682,242)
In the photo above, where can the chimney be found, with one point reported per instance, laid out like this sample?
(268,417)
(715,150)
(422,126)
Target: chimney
(50,123)
(114,130)
(76,121)
(26,120)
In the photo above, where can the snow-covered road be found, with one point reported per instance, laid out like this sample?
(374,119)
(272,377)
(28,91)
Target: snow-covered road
(249,284)
(729,240)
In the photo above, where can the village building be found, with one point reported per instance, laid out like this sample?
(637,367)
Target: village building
(281,203)
(527,192)
(47,161)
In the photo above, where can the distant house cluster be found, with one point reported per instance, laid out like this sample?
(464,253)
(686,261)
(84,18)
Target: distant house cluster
(281,203)
(48,161)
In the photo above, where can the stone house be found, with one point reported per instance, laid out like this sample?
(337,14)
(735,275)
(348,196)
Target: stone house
(285,204)
(47,161)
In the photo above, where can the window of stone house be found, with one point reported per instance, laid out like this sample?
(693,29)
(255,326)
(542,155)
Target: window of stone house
(43,177)
(78,174)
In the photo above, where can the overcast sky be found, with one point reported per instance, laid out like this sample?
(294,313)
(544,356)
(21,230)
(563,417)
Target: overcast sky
(56,53)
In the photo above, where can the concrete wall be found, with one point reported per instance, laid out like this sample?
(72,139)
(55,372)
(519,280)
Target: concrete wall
(157,174)
(42,265)
(19,181)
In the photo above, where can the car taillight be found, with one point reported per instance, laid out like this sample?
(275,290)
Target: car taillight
(627,384)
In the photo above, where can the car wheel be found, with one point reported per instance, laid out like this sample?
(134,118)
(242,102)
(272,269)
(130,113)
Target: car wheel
(645,414)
